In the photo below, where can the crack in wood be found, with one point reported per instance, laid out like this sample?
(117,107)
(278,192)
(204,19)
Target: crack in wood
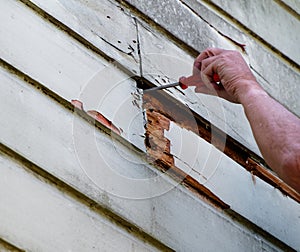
(138,41)
(130,53)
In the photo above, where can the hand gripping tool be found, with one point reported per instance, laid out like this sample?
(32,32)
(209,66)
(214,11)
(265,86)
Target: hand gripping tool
(215,78)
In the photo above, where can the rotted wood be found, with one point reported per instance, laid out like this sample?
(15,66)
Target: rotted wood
(158,150)
(159,104)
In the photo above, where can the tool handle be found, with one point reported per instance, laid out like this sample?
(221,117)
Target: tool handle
(183,86)
(216,78)
(194,80)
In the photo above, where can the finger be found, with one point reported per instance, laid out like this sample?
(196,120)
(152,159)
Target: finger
(209,52)
(210,67)
(203,90)
(210,88)
(208,61)
(214,89)
(193,80)
(197,69)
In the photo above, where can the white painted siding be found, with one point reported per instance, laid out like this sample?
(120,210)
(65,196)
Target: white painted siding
(67,185)
(38,217)
(270,21)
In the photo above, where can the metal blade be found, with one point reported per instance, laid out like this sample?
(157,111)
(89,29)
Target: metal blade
(161,87)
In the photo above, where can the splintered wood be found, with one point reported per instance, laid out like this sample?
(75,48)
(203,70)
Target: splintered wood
(158,146)
(159,153)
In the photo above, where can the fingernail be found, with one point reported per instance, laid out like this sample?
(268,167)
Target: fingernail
(182,78)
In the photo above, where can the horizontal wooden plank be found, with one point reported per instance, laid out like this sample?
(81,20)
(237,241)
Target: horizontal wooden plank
(8,247)
(268,19)
(64,63)
(38,217)
(69,69)
(292,4)
(214,170)
(112,175)
(155,64)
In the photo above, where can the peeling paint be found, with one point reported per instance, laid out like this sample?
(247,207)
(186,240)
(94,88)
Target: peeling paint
(77,104)
(138,42)
(137,99)
(158,147)
(159,154)
(130,48)
(98,117)
(103,120)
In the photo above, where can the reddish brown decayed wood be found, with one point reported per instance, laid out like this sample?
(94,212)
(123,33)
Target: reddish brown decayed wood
(158,147)
(97,116)
(103,120)
(267,176)
(77,104)
(158,152)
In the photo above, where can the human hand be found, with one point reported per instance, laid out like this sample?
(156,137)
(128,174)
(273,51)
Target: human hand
(234,73)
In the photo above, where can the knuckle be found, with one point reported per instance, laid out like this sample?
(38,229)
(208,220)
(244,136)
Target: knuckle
(209,49)
(234,53)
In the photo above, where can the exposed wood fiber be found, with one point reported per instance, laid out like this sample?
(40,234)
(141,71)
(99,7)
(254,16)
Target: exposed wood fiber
(158,152)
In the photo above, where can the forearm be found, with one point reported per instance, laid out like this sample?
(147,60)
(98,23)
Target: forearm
(277,133)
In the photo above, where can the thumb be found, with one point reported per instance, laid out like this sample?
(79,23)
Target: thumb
(193,80)
(205,90)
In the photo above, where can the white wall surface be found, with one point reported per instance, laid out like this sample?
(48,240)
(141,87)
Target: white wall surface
(38,217)
(104,46)
(270,21)
(108,172)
